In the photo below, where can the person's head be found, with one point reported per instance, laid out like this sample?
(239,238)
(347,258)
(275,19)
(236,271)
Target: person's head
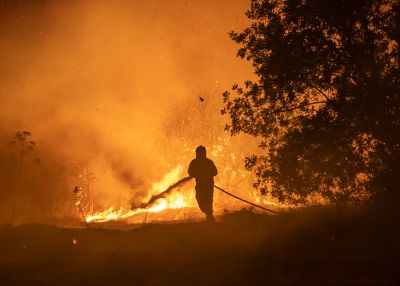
(201,152)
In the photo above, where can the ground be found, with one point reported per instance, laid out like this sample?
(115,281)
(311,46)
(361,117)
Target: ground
(315,246)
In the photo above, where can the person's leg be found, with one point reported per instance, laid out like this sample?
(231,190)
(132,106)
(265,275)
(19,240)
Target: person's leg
(200,202)
(205,200)
(209,205)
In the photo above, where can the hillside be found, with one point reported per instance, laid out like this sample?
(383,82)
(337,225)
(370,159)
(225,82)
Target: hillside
(313,246)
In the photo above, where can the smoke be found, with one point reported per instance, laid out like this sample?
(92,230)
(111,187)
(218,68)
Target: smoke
(93,81)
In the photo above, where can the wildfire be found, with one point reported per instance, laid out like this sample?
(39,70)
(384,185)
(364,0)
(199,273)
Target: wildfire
(173,201)
(229,175)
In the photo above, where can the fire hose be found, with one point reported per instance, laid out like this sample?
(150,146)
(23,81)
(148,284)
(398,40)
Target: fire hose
(184,181)
(243,200)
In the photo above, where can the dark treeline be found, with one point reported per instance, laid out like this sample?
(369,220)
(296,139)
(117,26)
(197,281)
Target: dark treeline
(325,106)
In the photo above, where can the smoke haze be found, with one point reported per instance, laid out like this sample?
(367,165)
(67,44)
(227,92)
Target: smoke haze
(94,81)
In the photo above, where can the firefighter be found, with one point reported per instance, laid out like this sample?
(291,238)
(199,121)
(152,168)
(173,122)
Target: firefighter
(204,171)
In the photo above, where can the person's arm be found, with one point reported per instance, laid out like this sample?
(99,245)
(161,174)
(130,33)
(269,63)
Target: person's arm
(191,171)
(214,169)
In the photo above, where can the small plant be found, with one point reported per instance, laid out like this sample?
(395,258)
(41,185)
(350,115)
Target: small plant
(78,196)
(22,146)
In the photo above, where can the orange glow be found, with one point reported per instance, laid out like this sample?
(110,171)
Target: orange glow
(174,201)
(110,93)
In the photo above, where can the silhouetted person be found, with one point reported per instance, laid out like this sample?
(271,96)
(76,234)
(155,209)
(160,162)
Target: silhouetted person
(203,170)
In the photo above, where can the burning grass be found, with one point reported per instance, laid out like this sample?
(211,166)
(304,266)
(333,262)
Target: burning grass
(170,193)
(164,195)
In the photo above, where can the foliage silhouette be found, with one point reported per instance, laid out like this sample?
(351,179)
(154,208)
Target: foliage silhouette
(326,102)
(22,146)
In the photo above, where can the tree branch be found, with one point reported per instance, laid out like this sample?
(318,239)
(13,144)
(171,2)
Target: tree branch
(298,107)
(321,92)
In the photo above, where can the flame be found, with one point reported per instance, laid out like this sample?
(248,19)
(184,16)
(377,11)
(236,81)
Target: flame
(173,201)
(229,174)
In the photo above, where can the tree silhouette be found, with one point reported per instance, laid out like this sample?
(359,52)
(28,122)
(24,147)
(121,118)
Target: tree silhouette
(326,102)
(22,146)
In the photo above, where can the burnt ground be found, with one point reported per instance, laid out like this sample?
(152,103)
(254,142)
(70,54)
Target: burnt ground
(316,246)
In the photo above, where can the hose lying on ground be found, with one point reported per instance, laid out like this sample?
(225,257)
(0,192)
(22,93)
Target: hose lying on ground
(187,179)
